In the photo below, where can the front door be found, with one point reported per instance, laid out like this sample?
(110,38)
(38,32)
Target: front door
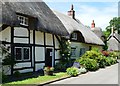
(48,58)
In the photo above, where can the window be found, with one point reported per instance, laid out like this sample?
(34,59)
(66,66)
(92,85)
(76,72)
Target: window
(73,52)
(22,53)
(82,51)
(74,36)
(23,20)
(18,53)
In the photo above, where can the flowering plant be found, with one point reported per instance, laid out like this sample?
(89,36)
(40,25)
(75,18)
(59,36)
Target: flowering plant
(49,69)
(105,53)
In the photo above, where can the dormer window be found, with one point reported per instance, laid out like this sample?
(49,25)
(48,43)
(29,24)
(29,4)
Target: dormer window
(23,20)
(74,36)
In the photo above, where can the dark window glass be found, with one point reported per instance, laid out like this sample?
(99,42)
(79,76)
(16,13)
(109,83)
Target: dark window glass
(18,53)
(82,51)
(26,53)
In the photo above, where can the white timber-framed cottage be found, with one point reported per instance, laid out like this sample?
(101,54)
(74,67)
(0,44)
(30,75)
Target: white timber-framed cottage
(32,32)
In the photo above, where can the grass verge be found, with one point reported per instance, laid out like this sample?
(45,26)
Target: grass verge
(38,80)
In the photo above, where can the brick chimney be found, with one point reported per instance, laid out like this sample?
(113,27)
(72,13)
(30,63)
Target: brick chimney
(71,13)
(93,24)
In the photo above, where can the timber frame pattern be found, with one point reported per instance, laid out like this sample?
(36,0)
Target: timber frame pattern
(13,45)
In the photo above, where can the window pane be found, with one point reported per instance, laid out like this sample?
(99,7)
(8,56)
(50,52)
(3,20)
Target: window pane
(26,53)
(73,52)
(18,53)
(82,51)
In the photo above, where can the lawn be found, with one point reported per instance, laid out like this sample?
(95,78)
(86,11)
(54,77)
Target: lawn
(39,79)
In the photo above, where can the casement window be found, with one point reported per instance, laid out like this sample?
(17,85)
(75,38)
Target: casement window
(74,36)
(73,52)
(82,51)
(23,20)
(22,53)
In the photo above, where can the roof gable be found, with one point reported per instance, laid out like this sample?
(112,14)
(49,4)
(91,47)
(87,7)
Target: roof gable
(72,25)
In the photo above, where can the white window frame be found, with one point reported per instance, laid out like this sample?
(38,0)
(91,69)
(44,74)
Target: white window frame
(23,20)
(22,52)
(74,36)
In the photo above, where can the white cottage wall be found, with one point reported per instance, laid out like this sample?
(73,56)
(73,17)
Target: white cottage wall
(5,35)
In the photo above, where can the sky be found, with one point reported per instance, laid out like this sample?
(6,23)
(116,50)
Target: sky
(99,11)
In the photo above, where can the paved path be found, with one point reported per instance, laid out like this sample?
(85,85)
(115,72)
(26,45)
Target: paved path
(109,75)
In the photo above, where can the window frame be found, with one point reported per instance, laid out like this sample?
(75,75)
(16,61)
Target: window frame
(23,20)
(74,36)
(22,54)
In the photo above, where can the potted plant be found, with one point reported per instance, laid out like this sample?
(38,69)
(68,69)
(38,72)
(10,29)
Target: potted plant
(48,70)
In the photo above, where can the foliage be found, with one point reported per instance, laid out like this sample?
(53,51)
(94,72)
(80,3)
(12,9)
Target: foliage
(113,22)
(60,66)
(105,53)
(72,71)
(17,74)
(92,60)
(7,60)
(89,64)
(4,77)
(101,60)
(113,54)
(65,51)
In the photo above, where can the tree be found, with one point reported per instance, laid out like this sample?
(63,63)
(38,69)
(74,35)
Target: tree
(115,23)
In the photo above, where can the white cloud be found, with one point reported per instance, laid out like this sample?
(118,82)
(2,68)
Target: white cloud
(102,16)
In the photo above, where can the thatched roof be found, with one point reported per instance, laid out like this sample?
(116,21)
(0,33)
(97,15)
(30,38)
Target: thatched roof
(72,25)
(114,42)
(7,16)
(47,20)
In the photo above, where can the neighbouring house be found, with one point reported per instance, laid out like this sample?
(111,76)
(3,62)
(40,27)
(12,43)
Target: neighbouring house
(96,30)
(81,37)
(32,32)
(114,41)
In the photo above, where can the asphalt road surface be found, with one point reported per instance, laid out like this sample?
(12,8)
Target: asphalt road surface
(108,75)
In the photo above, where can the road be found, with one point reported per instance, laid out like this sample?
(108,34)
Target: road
(109,75)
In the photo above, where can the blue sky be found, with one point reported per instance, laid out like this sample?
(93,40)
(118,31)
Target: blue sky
(102,12)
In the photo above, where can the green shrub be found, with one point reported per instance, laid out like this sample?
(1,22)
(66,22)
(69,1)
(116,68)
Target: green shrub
(113,54)
(72,71)
(101,60)
(91,54)
(89,64)
(17,74)
(108,62)
(60,67)
(4,77)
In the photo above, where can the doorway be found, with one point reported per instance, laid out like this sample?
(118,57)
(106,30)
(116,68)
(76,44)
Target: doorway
(48,57)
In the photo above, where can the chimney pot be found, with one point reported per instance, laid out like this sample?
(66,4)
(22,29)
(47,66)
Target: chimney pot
(93,24)
(71,13)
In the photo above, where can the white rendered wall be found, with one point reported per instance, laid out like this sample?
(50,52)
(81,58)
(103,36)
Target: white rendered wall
(39,66)
(39,37)
(5,35)
(21,65)
(49,39)
(21,32)
(39,54)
